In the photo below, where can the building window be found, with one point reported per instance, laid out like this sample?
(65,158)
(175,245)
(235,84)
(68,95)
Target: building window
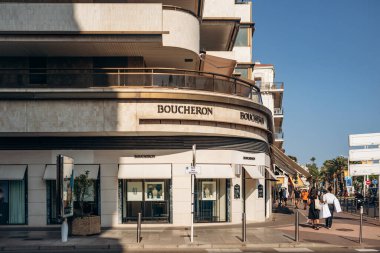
(243,72)
(37,70)
(150,197)
(91,201)
(13,202)
(212,200)
(242,39)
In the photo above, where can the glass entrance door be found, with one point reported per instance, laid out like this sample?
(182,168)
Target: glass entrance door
(211,200)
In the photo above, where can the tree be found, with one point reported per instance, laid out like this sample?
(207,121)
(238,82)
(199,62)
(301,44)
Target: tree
(293,158)
(82,185)
(335,172)
(314,172)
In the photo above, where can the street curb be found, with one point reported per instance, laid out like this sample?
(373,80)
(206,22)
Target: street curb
(175,246)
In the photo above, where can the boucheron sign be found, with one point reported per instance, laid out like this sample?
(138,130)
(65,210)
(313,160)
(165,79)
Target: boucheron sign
(185,109)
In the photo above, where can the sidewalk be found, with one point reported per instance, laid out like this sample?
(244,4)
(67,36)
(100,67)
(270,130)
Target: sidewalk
(276,232)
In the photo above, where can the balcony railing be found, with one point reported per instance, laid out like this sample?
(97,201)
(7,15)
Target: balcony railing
(279,136)
(264,86)
(128,78)
(278,111)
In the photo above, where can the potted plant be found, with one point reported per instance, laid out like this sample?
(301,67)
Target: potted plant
(84,223)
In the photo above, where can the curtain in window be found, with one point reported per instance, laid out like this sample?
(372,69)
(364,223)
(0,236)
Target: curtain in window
(16,202)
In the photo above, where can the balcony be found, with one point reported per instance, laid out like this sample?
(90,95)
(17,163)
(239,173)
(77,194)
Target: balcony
(279,136)
(127,78)
(278,112)
(275,86)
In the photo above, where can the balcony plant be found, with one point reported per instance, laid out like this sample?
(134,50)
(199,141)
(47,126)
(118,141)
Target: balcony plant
(84,223)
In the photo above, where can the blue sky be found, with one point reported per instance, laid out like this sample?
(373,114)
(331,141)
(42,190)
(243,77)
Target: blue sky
(327,53)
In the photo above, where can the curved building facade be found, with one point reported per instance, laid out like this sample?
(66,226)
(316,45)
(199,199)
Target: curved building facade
(127,102)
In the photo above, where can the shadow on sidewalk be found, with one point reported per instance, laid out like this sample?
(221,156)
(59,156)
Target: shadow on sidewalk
(283,210)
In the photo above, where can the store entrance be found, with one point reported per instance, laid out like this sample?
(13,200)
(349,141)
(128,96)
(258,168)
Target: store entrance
(150,197)
(212,200)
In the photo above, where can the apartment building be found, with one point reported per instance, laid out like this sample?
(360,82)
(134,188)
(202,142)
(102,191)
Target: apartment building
(126,88)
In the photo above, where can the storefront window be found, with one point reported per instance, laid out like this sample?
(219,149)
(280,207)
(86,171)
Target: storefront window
(150,197)
(212,200)
(12,202)
(91,201)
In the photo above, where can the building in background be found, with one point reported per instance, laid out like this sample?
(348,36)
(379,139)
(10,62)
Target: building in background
(289,173)
(364,160)
(126,89)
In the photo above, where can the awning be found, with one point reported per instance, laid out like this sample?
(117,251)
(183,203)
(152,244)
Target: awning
(287,164)
(215,171)
(79,169)
(272,176)
(255,172)
(145,171)
(12,172)
(217,65)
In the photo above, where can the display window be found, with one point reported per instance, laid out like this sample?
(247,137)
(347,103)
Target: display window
(91,201)
(13,202)
(151,198)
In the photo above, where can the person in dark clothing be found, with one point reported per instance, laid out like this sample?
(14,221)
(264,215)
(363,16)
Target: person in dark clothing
(297,197)
(313,213)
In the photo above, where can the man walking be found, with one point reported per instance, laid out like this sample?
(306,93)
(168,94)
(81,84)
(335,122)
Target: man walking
(332,203)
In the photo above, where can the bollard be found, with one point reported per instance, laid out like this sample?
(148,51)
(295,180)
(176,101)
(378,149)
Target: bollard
(244,228)
(361,225)
(139,228)
(297,226)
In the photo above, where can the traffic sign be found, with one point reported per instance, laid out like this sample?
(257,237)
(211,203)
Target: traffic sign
(193,170)
(374,181)
(368,182)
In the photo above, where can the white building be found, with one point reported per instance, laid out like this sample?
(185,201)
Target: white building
(126,89)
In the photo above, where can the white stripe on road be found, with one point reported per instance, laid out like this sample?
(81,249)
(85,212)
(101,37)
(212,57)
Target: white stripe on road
(367,250)
(224,250)
(293,250)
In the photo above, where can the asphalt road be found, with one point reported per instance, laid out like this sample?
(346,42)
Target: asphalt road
(243,250)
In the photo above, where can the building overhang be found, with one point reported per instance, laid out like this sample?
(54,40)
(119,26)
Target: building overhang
(219,34)
(287,164)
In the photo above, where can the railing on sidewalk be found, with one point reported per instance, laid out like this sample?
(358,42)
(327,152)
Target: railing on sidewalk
(62,78)
(352,205)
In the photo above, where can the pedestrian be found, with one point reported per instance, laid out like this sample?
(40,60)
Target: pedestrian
(285,195)
(333,203)
(280,197)
(297,197)
(304,196)
(313,211)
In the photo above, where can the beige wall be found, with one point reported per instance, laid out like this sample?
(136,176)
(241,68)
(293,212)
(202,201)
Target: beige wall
(183,30)
(101,117)
(109,160)
(227,8)
(80,17)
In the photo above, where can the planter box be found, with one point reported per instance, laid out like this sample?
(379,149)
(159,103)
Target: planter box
(86,226)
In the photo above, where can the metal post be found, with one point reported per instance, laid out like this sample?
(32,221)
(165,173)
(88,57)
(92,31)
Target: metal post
(192,196)
(244,227)
(138,227)
(297,226)
(361,225)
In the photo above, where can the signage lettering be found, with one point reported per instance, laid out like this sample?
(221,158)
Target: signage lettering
(184,109)
(145,156)
(252,117)
(248,158)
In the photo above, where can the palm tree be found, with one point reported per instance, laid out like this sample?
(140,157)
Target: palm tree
(335,169)
(314,171)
